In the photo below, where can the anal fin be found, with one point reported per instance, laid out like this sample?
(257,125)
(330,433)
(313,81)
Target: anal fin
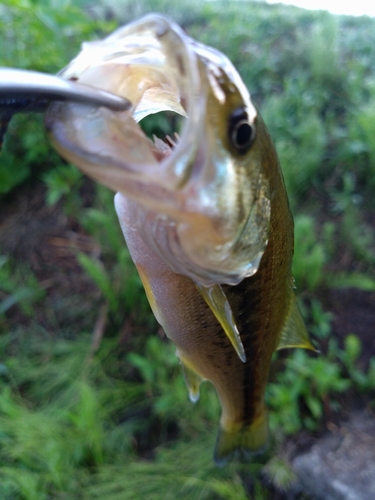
(219,305)
(294,333)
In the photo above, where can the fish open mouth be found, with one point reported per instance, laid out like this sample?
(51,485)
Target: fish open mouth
(152,63)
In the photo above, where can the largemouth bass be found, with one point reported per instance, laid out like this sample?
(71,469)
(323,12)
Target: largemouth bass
(205,217)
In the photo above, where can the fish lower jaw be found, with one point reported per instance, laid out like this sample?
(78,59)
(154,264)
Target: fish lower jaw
(209,272)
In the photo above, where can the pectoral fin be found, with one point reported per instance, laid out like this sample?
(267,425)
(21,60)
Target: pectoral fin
(294,333)
(219,305)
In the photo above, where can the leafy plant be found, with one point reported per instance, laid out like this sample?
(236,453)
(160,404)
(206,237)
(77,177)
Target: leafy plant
(350,356)
(41,35)
(17,286)
(311,380)
(310,254)
(279,472)
(112,271)
(358,235)
(62,181)
(299,136)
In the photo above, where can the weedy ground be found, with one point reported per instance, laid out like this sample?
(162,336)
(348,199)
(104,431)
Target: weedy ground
(92,402)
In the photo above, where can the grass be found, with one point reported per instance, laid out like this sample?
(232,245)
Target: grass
(100,410)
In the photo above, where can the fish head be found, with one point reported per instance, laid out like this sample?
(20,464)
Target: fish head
(200,201)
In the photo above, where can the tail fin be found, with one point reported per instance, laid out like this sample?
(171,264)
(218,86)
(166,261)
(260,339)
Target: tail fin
(245,441)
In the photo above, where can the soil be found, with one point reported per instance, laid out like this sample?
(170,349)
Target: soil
(354,312)
(47,241)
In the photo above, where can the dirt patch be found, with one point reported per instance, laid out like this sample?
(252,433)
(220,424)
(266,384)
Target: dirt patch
(48,242)
(354,312)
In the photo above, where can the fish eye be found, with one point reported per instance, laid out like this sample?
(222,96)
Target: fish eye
(241,131)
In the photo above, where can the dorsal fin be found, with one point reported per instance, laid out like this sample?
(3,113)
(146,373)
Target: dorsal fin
(217,300)
(294,333)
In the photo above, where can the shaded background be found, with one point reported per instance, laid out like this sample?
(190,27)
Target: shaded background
(92,402)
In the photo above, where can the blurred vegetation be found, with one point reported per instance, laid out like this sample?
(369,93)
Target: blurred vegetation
(102,411)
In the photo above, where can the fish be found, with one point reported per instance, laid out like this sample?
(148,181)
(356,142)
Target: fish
(205,215)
